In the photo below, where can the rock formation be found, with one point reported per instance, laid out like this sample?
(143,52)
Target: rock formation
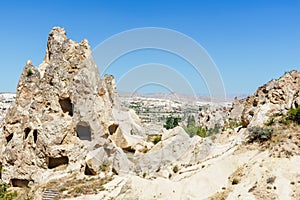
(67,125)
(274,98)
(64,115)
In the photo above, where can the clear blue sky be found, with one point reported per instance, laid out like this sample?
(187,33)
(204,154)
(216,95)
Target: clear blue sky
(250,41)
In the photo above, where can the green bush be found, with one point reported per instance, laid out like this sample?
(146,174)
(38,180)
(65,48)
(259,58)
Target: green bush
(233,123)
(294,115)
(235,181)
(29,72)
(191,121)
(172,122)
(270,122)
(195,130)
(191,129)
(217,129)
(259,134)
(3,189)
(5,194)
(157,139)
(175,169)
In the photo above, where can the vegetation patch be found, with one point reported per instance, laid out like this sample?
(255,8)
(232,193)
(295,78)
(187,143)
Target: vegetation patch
(76,187)
(191,129)
(294,115)
(29,72)
(172,122)
(235,181)
(259,134)
(157,139)
(175,169)
(5,194)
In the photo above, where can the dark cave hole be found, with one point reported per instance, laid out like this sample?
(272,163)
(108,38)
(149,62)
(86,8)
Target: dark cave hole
(113,128)
(66,106)
(84,132)
(8,138)
(26,131)
(55,162)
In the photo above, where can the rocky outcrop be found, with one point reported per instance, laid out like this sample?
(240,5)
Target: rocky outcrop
(214,116)
(274,98)
(174,143)
(62,113)
(237,109)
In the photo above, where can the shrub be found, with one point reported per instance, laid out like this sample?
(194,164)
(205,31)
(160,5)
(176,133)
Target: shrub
(259,134)
(191,121)
(271,180)
(157,139)
(4,194)
(233,123)
(191,129)
(3,189)
(294,115)
(144,175)
(202,132)
(217,129)
(29,72)
(195,130)
(270,122)
(235,181)
(172,122)
(175,169)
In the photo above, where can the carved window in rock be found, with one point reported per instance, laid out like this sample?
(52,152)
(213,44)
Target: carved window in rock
(19,182)
(55,162)
(84,131)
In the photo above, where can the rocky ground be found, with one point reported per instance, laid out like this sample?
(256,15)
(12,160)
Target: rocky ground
(69,136)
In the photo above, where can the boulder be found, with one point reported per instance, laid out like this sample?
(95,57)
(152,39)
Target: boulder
(174,143)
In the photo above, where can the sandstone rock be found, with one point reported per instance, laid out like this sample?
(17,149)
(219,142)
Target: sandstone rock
(214,116)
(274,98)
(63,111)
(237,109)
(128,132)
(174,143)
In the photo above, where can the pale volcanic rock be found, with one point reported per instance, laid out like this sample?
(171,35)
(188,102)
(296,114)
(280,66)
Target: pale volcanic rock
(274,98)
(62,111)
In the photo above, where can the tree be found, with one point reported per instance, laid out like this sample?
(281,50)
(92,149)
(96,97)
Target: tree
(191,121)
(172,122)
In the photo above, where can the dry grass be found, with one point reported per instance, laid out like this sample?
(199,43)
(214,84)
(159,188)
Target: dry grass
(80,187)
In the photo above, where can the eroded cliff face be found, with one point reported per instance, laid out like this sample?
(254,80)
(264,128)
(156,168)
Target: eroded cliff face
(274,98)
(63,112)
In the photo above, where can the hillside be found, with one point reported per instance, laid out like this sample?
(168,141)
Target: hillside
(68,135)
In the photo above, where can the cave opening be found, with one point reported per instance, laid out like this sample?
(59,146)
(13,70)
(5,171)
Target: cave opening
(113,128)
(19,182)
(26,131)
(55,162)
(88,171)
(35,134)
(8,138)
(84,131)
(67,106)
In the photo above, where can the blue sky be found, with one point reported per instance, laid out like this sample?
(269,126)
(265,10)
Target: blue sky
(250,41)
